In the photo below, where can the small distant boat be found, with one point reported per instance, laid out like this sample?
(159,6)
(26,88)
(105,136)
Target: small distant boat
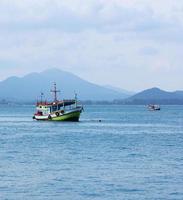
(153,107)
(58,110)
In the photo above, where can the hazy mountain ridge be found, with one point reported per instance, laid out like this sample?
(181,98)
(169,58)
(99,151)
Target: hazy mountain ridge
(117,89)
(156,95)
(28,88)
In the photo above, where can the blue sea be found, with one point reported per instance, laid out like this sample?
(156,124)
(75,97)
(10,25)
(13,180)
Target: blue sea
(132,153)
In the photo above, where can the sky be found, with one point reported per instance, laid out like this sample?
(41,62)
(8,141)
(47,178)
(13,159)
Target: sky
(131,44)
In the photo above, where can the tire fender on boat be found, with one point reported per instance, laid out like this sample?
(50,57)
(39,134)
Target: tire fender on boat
(57,114)
(49,117)
(62,111)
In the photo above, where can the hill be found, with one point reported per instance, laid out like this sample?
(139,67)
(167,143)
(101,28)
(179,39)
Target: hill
(156,96)
(117,89)
(28,88)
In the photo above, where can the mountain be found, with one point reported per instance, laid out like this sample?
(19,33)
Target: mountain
(28,88)
(156,96)
(117,89)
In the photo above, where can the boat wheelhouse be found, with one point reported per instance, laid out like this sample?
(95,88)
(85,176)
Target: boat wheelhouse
(58,110)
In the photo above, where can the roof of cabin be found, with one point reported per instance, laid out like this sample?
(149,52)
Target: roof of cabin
(61,103)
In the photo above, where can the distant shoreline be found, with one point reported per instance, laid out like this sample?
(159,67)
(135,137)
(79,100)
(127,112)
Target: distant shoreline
(104,102)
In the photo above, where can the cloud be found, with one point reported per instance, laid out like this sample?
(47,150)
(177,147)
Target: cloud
(149,51)
(125,38)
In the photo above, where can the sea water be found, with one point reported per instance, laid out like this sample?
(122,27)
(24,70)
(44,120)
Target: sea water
(132,153)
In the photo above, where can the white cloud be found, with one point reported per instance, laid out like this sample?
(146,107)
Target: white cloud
(129,40)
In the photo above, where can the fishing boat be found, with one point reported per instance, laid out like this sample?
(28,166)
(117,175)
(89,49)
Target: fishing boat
(58,110)
(153,107)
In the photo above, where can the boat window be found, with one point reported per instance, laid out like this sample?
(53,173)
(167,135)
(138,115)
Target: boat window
(54,108)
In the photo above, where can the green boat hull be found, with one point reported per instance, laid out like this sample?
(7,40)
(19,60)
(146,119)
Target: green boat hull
(72,116)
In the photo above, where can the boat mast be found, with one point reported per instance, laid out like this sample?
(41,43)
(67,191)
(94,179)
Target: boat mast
(55,91)
(42,94)
(76,99)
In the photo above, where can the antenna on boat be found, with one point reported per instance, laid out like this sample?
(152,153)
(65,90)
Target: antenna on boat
(42,94)
(55,91)
(76,98)
(76,95)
